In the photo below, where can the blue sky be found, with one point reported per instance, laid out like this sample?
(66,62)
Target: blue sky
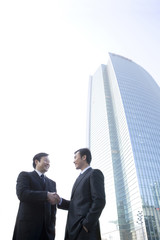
(48,51)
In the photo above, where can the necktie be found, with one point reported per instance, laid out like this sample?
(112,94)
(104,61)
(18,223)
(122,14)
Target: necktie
(43,179)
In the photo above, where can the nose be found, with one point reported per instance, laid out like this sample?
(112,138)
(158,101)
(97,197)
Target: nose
(48,163)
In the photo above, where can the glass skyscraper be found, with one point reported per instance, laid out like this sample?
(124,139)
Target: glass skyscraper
(124,138)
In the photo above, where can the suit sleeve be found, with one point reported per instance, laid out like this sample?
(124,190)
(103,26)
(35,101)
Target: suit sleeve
(64,205)
(24,193)
(98,199)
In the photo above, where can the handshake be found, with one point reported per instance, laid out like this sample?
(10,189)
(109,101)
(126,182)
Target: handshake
(53,198)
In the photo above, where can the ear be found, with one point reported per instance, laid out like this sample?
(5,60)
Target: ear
(36,161)
(84,158)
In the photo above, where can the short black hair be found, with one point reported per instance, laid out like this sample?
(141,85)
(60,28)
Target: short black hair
(85,151)
(38,157)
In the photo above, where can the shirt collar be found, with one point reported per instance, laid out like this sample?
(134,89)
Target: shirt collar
(39,173)
(85,169)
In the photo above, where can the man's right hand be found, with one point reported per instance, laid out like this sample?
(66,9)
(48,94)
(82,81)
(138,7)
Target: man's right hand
(53,198)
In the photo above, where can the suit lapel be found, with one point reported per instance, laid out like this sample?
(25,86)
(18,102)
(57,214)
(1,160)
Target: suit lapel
(35,174)
(79,179)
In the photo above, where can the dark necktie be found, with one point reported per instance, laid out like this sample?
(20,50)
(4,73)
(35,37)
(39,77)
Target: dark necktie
(43,179)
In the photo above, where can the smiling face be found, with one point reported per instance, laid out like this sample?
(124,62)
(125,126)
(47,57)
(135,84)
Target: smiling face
(80,162)
(42,165)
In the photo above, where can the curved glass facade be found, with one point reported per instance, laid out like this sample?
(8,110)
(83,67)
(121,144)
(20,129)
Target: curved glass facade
(124,137)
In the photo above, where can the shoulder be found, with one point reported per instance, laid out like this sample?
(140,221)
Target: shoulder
(97,173)
(24,174)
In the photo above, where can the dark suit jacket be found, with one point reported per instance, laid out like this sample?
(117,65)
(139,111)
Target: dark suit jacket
(35,212)
(85,207)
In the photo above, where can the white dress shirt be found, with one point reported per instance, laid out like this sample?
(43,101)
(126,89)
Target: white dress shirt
(85,169)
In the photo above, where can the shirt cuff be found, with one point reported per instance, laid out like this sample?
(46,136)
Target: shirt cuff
(60,201)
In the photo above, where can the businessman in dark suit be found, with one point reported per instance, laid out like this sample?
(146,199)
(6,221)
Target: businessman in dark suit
(37,209)
(87,200)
